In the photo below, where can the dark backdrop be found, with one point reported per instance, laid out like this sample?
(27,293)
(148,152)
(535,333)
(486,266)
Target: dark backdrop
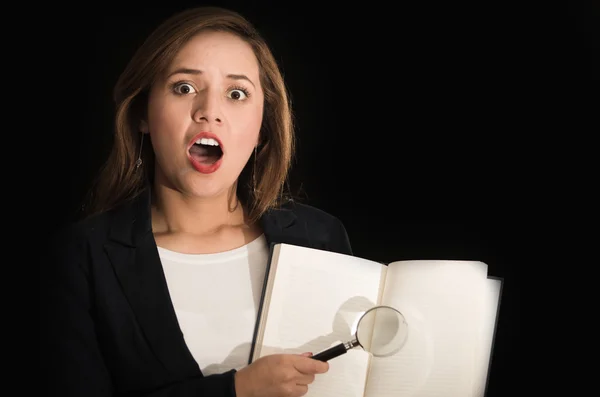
(429,130)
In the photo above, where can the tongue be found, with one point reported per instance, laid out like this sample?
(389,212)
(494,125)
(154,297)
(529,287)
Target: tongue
(204,154)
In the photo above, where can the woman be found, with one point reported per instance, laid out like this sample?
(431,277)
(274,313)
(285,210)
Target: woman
(156,291)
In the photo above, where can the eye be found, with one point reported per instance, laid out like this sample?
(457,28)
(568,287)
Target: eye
(183,89)
(238,94)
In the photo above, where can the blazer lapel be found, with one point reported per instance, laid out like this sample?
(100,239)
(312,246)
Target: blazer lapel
(134,256)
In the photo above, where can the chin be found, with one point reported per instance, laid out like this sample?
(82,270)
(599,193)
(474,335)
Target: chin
(209,188)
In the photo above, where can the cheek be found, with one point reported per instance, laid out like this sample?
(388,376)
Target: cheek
(248,126)
(165,120)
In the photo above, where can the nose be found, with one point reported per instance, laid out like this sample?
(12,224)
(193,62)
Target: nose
(207,109)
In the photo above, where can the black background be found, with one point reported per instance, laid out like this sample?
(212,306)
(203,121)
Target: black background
(432,130)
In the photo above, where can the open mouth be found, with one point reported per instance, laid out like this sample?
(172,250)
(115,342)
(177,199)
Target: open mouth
(206,151)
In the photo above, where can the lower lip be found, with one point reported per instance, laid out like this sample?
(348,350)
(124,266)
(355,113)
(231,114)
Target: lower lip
(205,168)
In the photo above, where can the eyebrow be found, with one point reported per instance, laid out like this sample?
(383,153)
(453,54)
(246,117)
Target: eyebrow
(197,72)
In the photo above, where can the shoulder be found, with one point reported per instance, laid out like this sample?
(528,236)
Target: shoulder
(321,228)
(313,216)
(74,241)
(124,222)
(69,244)
(77,232)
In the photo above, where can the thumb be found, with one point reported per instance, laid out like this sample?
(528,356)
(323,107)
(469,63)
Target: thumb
(307,354)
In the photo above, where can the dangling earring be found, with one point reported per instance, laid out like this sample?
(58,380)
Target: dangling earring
(254,172)
(138,162)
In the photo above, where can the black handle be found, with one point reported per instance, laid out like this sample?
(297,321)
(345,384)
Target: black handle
(330,353)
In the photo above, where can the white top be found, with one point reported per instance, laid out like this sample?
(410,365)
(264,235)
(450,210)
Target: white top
(216,298)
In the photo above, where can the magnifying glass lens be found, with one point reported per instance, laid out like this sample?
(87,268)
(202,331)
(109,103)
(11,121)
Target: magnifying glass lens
(382,331)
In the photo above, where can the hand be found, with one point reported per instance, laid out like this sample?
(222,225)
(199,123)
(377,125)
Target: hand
(278,375)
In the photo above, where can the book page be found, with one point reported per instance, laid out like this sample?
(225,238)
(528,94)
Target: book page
(490,305)
(441,304)
(315,302)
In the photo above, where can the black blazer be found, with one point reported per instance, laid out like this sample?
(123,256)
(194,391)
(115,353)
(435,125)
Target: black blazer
(110,327)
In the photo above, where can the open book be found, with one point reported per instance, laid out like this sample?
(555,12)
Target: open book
(313,299)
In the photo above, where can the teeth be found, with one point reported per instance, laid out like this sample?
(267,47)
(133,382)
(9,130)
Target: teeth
(207,141)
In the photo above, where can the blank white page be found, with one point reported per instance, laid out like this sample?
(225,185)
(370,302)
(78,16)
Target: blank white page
(439,300)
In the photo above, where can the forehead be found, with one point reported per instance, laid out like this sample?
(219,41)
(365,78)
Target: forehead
(220,50)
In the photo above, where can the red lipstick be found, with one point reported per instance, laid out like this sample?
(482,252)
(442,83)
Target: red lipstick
(202,167)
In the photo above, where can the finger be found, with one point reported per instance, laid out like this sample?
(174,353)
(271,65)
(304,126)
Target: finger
(307,365)
(305,379)
(307,354)
(301,390)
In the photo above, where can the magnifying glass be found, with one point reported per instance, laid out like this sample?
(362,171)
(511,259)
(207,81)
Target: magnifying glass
(381,331)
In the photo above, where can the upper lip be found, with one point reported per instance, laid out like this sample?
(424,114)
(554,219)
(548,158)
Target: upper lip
(205,134)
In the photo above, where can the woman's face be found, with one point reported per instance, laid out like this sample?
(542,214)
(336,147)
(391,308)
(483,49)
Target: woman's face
(205,114)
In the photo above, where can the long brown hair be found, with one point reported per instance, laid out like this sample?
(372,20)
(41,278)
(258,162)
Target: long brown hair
(263,181)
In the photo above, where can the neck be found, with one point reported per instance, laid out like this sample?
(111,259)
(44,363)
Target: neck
(173,212)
